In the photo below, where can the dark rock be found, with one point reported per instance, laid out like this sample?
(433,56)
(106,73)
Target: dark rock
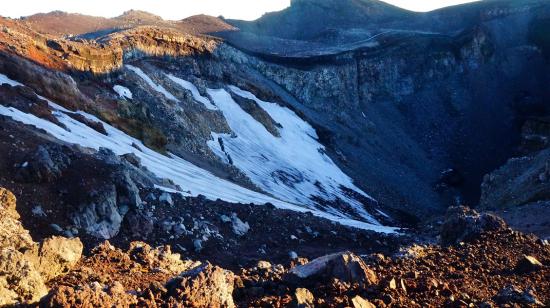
(464,224)
(132,159)
(512,294)
(528,264)
(138,225)
(44,165)
(344,266)
(97,126)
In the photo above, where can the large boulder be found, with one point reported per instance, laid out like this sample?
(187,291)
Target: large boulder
(20,281)
(58,255)
(204,286)
(464,224)
(528,264)
(101,210)
(100,217)
(344,266)
(26,266)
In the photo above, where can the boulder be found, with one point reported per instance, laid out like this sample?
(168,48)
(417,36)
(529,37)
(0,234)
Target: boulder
(100,217)
(203,286)
(359,302)
(58,255)
(513,295)
(160,258)
(240,228)
(101,211)
(166,198)
(344,266)
(303,298)
(528,264)
(132,159)
(464,224)
(26,266)
(44,165)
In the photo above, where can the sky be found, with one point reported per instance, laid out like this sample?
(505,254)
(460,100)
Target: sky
(178,9)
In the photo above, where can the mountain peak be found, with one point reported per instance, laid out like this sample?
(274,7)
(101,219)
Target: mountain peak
(139,15)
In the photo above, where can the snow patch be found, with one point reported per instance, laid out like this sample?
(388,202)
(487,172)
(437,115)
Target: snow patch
(123,91)
(292,167)
(151,83)
(194,180)
(6,80)
(194,91)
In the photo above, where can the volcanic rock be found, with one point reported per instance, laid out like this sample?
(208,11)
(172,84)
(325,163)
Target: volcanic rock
(46,164)
(359,302)
(303,299)
(344,266)
(204,286)
(25,267)
(528,264)
(463,224)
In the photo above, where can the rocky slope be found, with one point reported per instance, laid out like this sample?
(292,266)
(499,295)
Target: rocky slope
(422,93)
(493,266)
(59,23)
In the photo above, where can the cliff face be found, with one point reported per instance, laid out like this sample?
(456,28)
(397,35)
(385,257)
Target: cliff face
(400,112)
(104,55)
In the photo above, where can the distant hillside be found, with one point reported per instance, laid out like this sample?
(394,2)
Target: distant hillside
(61,23)
(305,19)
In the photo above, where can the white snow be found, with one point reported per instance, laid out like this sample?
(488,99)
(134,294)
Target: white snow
(6,80)
(194,91)
(123,91)
(292,167)
(151,83)
(192,179)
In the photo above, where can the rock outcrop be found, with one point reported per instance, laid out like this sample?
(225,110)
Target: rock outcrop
(344,266)
(26,266)
(520,181)
(204,286)
(43,165)
(464,224)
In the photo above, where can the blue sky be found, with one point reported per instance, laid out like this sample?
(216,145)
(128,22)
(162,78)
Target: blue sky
(178,9)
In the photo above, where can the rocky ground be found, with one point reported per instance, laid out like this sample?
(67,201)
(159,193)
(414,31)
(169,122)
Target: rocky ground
(482,264)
